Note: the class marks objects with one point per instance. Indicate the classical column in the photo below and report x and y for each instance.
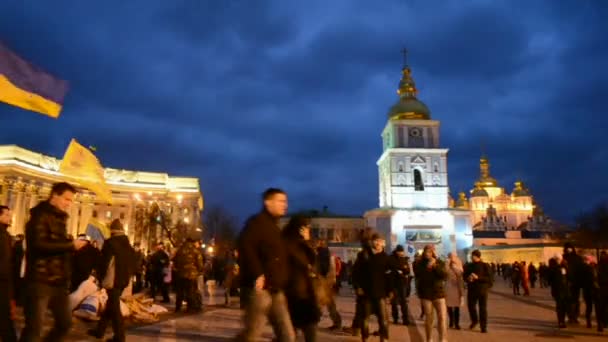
(73, 225)
(19, 208)
(4, 184)
(32, 190)
(86, 211)
(130, 223)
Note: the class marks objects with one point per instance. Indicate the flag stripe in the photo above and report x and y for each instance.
(15, 96)
(30, 78)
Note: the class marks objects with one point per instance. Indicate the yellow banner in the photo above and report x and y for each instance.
(82, 165)
(17, 97)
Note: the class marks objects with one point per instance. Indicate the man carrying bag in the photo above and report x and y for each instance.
(117, 267)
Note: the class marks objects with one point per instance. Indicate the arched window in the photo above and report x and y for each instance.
(418, 184)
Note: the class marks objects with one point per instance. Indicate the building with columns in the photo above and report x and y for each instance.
(414, 202)
(151, 206)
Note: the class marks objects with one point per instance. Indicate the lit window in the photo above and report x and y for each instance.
(108, 214)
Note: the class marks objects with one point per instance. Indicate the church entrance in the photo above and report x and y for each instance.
(416, 239)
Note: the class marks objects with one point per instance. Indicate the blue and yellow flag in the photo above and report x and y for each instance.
(97, 231)
(81, 164)
(26, 86)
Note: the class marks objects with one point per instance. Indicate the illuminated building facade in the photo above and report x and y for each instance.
(152, 206)
(414, 195)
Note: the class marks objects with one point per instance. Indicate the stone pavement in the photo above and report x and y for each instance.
(510, 318)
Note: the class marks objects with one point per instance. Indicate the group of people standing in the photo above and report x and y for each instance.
(50, 267)
(570, 274)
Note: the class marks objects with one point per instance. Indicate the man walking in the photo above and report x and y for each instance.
(263, 261)
(7, 293)
(430, 274)
(478, 276)
(115, 271)
(47, 265)
(401, 275)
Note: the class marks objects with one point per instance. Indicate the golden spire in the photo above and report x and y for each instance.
(463, 201)
(485, 178)
(407, 86)
(408, 107)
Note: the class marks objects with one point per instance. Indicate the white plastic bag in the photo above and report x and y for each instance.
(90, 308)
(85, 289)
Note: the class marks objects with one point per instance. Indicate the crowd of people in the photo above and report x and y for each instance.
(41, 269)
(280, 275)
(283, 281)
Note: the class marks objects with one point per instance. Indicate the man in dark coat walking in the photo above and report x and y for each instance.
(263, 260)
(479, 278)
(400, 270)
(7, 293)
(575, 276)
(48, 251)
(117, 254)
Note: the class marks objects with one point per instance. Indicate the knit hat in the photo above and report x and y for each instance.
(476, 253)
(116, 226)
(399, 248)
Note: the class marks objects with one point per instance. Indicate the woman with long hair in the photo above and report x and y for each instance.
(454, 289)
(301, 299)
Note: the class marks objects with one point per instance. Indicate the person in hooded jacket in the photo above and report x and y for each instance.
(118, 254)
(557, 276)
(301, 299)
(575, 267)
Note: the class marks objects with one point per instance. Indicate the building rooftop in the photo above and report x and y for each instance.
(47, 166)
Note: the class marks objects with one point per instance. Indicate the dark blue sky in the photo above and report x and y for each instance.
(251, 94)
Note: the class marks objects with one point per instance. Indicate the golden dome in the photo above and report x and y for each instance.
(408, 107)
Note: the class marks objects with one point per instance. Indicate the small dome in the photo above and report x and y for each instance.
(520, 190)
(479, 192)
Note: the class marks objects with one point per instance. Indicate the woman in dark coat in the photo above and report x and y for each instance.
(302, 303)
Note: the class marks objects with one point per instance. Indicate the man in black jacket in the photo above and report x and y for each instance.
(575, 276)
(373, 281)
(400, 270)
(263, 261)
(84, 261)
(48, 265)
(118, 249)
(7, 293)
(479, 278)
(430, 274)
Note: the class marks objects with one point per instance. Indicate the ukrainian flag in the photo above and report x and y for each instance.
(97, 231)
(26, 86)
(81, 164)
